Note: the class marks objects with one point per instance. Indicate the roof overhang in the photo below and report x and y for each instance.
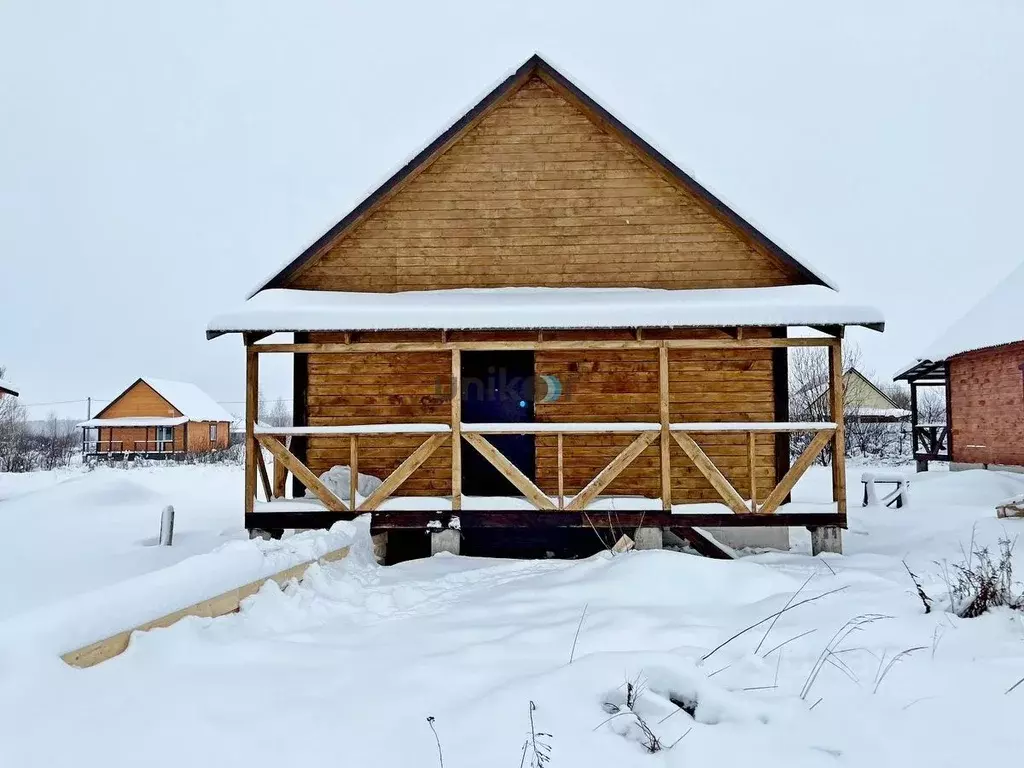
(136, 421)
(287, 310)
(922, 370)
(7, 388)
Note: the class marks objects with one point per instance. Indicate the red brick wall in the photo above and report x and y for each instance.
(987, 396)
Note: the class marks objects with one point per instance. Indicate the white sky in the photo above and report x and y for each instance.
(158, 159)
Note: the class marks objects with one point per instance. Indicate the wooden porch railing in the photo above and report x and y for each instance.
(931, 442)
(269, 438)
(687, 435)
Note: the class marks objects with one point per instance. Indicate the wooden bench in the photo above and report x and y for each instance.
(900, 495)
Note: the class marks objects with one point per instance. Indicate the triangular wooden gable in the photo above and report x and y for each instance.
(139, 399)
(540, 186)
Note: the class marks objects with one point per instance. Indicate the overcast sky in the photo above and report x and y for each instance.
(159, 159)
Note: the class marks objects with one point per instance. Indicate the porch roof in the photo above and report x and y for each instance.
(136, 421)
(543, 308)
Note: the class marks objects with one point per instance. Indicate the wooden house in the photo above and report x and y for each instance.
(537, 319)
(978, 363)
(156, 418)
(863, 401)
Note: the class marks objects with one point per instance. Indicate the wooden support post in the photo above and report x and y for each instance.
(456, 395)
(281, 473)
(261, 465)
(666, 437)
(752, 469)
(353, 471)
(300, 411)
(561, 471)
(252, 386)
(835, 369)
(780, 392)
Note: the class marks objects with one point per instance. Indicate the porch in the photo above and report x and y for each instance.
(134, 437)
(932, 440)
(550, 504)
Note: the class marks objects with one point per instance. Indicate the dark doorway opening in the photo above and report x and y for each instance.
(497, 387)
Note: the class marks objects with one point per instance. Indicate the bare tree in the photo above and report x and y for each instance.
(931, 405)
(55, 446)
(868, 435)
(23, 449)
(279, 415)
(809, 389)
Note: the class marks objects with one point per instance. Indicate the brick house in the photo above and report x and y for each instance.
(979, 362)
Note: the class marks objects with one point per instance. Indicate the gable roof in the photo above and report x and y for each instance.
(816, 392)
(819, 390)
(992, 322)
(537, 66)
(187, 399)
(8, 388)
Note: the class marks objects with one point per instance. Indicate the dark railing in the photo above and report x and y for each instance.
(931, 442)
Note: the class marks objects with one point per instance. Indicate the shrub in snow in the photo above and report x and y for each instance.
(337, 479)
(982, 582)
(537, 746)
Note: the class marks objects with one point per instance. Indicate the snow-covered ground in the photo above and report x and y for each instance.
(347, 667)
(71, 531)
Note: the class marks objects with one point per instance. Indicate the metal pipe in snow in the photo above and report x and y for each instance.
(167, 526)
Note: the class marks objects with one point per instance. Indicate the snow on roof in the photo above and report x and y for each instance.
(189, 399)
(995, 320)
(136, 421)
(890, 413)
(6, 386)
(522, 308)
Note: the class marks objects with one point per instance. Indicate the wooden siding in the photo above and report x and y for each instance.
(199, 436)
(705, 385)
(379, 389)
(537, 194)
(140, 399)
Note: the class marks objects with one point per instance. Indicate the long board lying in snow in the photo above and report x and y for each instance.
(219, 605)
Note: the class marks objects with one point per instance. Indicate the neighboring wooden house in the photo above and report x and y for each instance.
(541, 315)
(156, 418)
(979, 363)
(6, 388)
(864, 402)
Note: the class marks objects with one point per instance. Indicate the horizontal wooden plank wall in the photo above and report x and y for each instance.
(607, 385)
(138, 400)
(199, 436)
(539, 195)
(379, 389)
